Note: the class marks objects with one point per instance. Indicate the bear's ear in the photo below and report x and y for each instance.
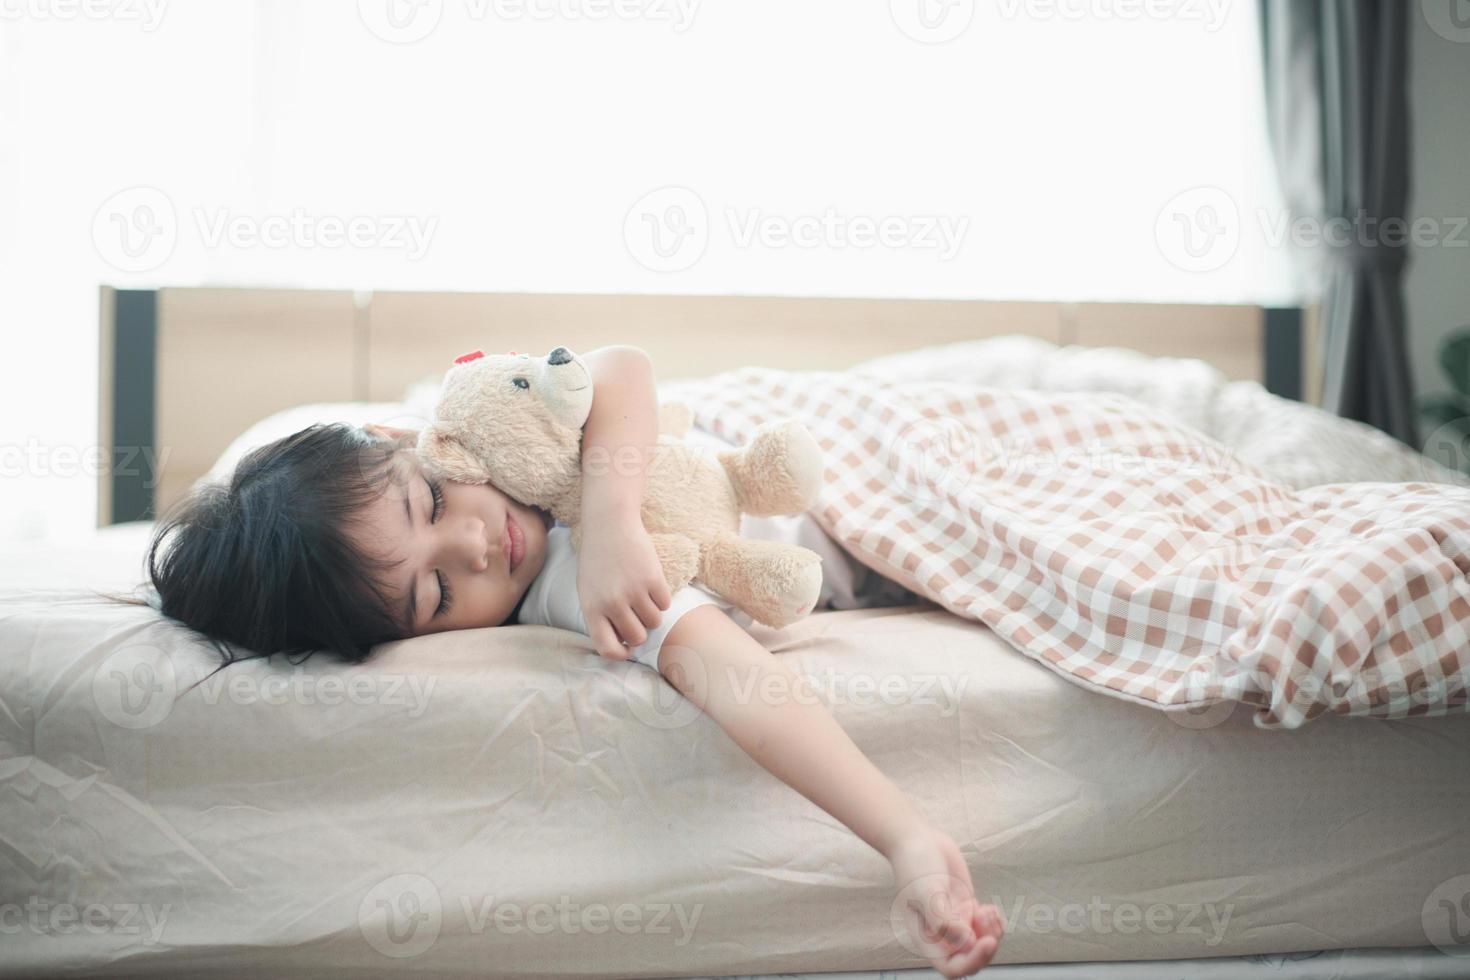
(449, 457)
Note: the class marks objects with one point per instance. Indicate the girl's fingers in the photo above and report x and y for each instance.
(605, 639)
(661, 595)
(629, 629)
(648, 612)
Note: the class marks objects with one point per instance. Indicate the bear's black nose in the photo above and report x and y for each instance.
(559, 355)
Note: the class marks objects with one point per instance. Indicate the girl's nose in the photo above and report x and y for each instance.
(477, 546)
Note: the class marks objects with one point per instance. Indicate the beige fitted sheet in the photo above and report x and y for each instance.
(502, 803)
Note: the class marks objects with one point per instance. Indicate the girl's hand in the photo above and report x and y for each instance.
(620, 584)
(945, 924)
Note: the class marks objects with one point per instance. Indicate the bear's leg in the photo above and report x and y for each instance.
(776, 583)
(679, 556)
(779, 471)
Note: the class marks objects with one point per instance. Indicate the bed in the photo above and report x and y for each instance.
(502, 803)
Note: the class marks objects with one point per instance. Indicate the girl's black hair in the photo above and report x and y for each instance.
(262, 565)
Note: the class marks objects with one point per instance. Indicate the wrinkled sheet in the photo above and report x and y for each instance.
(488, 803)
(1133, 553)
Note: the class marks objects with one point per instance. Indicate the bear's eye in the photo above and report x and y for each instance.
(522, 383)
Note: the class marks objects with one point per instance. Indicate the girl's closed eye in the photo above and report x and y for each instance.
(436, 492)
(445, 598)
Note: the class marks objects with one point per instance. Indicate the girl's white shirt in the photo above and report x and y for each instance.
(551, 599)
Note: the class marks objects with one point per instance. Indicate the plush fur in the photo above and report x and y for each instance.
(515, 421)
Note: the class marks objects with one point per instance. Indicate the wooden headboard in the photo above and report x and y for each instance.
(183, 371)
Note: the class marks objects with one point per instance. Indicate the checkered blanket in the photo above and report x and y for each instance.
(1129, 552)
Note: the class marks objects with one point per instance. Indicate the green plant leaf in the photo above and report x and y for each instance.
(1438, 410)
(1454, 360)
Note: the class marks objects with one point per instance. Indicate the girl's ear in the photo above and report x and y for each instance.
(390, 432)
(449, 457)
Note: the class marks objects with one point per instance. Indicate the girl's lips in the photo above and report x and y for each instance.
(517, 549)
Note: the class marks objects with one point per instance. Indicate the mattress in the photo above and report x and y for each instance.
(504, 803)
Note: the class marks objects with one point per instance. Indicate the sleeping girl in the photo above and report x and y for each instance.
(338, 538)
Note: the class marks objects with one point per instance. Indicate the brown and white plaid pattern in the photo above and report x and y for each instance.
(1130, 553)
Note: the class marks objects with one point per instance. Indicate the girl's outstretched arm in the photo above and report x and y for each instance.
(754, 697)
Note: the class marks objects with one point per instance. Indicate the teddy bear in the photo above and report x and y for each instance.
(515, 421)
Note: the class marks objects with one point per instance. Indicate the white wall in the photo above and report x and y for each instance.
(1437, 280)
(1073, 143)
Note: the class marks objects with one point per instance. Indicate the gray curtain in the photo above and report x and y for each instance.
(1336, 101)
